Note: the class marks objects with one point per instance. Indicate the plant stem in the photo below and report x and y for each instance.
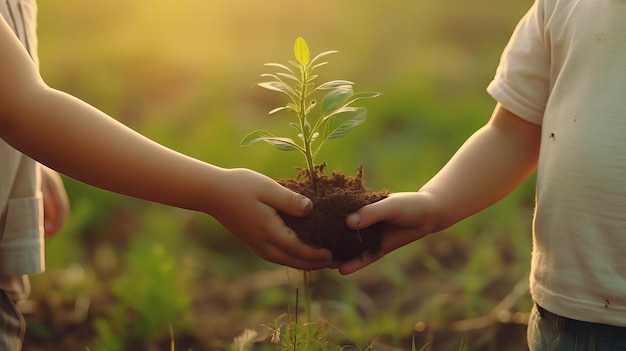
(306, 275)
(295, 329)
(305, 128)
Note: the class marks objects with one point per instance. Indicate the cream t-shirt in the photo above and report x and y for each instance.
(565, 68)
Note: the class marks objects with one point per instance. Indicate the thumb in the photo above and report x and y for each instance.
(290, 202)
(367, 215)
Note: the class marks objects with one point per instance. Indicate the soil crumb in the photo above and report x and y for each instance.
(337, 196)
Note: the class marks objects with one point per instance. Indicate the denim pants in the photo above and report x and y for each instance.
(546, 334)
(12, 325)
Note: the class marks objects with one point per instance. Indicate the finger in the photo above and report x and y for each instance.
(394, 239)
(277, 255)
(358, 263)
(56, 203)
(286, 200)
(284, 239)
(288, 241)
(51, 216)
(370, 214)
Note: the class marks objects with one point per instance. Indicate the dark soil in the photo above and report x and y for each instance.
(337, 196)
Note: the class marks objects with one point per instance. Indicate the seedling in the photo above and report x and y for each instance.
(316, 123)
(335, 117)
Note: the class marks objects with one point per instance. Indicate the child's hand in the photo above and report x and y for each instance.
(249, 210)
(407, 217)
(56, 206)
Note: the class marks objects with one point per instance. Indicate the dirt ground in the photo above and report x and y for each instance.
(227, 309)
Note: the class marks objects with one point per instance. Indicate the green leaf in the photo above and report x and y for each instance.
(318, 65)
(296, 126)
(278, 109)
(333, 84)
(322, 55)
(341, 124)
(277, 77)
(341, 99)
(279, 65)
(290, 107)
(344, 122)
(311, 78)
(284, 144)
(287, 75)
(336, 98)
(278, 86)
(301, 51)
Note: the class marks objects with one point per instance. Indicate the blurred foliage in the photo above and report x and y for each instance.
(182, 73)
(151, 292)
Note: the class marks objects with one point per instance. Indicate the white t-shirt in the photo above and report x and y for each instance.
(565, 68)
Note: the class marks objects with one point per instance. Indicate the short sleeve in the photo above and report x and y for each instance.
(522, 80)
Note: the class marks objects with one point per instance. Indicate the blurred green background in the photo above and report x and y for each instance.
(183, 74)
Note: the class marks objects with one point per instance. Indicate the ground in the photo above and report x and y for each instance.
(228, 307)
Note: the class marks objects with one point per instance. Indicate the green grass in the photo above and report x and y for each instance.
(182, 73)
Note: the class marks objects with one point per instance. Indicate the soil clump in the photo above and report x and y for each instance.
(337, 196)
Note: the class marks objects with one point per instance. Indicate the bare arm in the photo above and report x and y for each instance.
(78, 140)
(492, 163)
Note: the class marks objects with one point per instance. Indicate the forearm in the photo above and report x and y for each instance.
(81, 142)
(490, 165)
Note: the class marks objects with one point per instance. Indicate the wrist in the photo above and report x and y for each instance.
(435, 214)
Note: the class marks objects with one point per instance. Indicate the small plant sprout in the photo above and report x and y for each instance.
(335, 114)
(321, 112)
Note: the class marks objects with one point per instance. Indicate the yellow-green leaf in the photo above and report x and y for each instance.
(301, 50)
